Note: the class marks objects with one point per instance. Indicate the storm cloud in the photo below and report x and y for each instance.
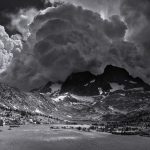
(137, 17)
(107, 8)
(8, 8)
(70, 39)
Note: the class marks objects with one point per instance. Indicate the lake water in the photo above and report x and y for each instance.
(42, 138)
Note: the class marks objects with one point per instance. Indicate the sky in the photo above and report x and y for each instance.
(41, 42)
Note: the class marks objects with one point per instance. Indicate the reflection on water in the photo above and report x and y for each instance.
(60, 138)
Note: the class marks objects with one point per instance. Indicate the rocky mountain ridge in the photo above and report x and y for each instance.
(113, 78)
(114, 95)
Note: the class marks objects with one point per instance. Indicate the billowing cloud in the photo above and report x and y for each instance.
(13, 7)
(22, 20)
(115, 28)
(136, 14)
(137, 17)
(70, 39)
(106, 7)
(9, 48)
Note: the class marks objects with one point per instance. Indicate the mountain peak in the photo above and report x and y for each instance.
(77, 83)
(86, 84)
(82, 76)
(110, 69)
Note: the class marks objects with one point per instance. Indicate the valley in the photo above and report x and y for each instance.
(113, 99)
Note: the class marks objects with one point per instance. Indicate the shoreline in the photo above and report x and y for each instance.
(64, 127)
(41, 137)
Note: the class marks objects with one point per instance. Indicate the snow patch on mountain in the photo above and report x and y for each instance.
(116, 86)
(38, 111)
(82, 98)
(115, 110)
(3, 105)
(122, 94)
(69, 116)
(92, 81)
(55, 87)
(15, 107)
(132, 82)
(100, 91)
(86, 84)
(59, 98)
(137, 89)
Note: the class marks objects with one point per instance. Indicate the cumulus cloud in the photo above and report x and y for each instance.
(115, 28)
(9, 47)
(16, 18)
(106, 7)
(70, 39)
(21, 21)
(13, 7)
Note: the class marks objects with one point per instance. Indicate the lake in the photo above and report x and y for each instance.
(43, 138)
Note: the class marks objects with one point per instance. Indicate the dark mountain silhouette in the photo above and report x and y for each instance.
(87, 84)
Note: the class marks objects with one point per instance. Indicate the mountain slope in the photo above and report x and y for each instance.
(115, 93)
(14, 99)
(112, 96)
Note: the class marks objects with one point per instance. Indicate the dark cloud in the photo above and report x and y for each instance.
(136, 14)
(71, 39)
(115, 28)
(137, 17)
(13, 6)
(107, 7)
